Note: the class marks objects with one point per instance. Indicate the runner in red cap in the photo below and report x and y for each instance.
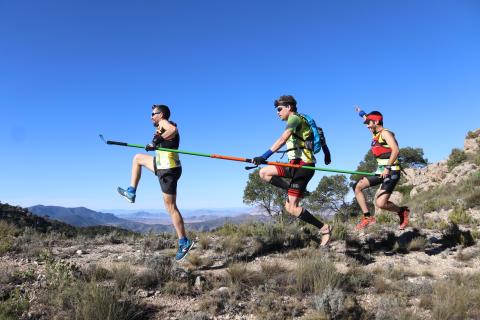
(385, 149)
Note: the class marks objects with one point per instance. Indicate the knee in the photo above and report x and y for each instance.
(381, 203)
(263, 175)
(170, 206)
(137, 158)
(290, 208)
(358, 186)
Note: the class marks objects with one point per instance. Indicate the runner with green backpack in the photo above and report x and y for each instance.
(303, 140)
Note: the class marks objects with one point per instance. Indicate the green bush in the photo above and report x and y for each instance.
(473, 134)
(456, 157)
(7, 233)
(13, 307)
(340, 231)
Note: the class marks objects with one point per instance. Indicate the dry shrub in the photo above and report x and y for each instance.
(397, 273)
(426, 301)
(457, 297)
(155, 242)
(427, 274)
(176, 288)
(162, 267)
(270, 269)
(146, 279)
(449, 301)
(464, 256)
(204, 241)
(240, 276)
(460, 216)
(417, 244)
(93, 301)
(97, 273)
(392, 307)
(269, 306)
(380, 285)
(214, 303)
(195, 260)
(123, 276)
(232, 245)
(314, 274)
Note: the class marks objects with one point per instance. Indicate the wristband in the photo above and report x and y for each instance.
(267, 154)
(362, 113)
(389, 167)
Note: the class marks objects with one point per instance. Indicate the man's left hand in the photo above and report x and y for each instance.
(259, 160)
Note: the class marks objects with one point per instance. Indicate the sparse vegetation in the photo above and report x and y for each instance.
(417, 244)
(457, 297)
(7, 233)
(456, 157)
(315, 273)
(460, 216)
(448, 196)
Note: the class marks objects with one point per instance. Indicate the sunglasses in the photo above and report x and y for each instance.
(154, 113)
(279, 108)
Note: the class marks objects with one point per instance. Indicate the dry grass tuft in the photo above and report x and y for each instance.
(314, 274)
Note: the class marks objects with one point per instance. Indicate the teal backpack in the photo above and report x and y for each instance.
(317, 139)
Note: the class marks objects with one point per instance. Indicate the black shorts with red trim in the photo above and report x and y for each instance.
(299, 177)
(388, 184)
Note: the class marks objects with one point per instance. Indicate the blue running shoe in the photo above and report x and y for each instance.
(130, 196)
(183, 250)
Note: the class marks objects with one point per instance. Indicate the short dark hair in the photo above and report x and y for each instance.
(286, 100)
(163, 109)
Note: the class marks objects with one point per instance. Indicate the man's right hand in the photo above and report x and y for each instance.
(150, 147)
(259, 160)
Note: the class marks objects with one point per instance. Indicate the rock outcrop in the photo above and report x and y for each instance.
(438, 174)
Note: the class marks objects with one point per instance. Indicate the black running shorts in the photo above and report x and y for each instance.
(299, 177)
(168, 179)
(388, 183)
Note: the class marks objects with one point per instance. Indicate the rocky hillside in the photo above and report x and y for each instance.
(459, 167)
(265, 270)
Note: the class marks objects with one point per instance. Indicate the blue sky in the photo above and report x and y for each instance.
(70, 70)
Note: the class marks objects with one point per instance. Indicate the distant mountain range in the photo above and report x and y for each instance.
(190, 216)
(142, 221)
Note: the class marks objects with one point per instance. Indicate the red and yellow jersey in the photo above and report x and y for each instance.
(382, 151)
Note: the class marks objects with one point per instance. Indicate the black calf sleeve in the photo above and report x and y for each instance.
(309, 218)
